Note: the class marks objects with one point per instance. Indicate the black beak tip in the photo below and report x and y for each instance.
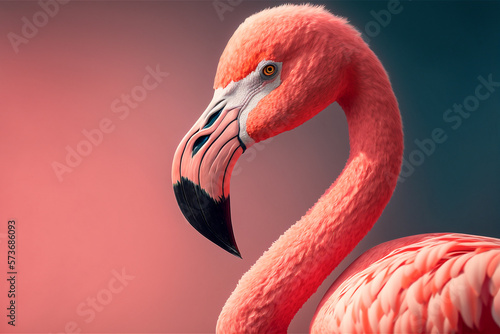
(212, 218)
(234, 251)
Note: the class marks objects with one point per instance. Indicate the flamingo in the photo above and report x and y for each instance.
(280, 68)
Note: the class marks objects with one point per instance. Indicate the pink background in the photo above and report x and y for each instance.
(116, 210)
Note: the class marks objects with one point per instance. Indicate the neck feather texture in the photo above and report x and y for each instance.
(279, 283)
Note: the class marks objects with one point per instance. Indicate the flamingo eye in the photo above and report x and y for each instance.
(268, 71)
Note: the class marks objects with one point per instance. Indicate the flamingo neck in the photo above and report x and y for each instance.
(279, 283)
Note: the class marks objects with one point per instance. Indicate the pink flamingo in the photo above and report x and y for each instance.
(280, 68)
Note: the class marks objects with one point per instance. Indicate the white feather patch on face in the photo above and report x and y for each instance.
(245, 95)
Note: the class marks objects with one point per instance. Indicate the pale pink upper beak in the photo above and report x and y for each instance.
(201, 172)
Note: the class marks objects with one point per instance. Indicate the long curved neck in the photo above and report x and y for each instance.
(279, 283)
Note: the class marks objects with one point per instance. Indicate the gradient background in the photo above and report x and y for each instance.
(117, 209)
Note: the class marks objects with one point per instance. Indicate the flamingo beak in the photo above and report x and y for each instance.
(201, 172)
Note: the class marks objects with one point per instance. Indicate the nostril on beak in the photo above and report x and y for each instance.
(203, 139)
(199, 143)
(213, 118)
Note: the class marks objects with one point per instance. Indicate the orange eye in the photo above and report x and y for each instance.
(269, 70)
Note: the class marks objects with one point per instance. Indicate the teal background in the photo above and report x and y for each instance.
(434, 51)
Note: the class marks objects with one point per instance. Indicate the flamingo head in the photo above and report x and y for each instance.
(280, 68)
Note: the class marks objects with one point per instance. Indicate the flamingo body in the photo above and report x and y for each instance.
(279, 69)
(430, 283)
